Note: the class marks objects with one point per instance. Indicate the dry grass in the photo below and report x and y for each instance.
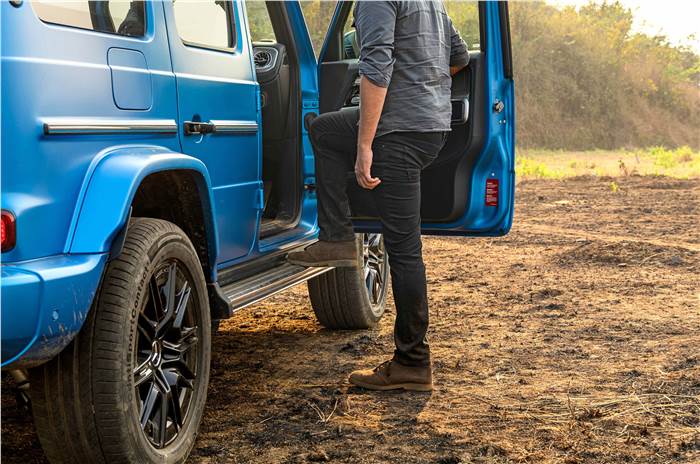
(680, 163)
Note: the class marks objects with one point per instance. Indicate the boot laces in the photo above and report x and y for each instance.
(383, 367)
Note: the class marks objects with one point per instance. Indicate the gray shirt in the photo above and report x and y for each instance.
(409, 46)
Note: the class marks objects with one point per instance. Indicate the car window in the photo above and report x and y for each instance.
(318, 15)
(206, 24)
(465, 17)
(259, 22)
(113, 17)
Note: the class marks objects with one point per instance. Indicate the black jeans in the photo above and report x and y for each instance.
(399, 158)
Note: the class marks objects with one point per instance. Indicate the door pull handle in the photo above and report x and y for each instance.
(198, 128)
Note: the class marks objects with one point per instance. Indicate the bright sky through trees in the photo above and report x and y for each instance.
(676, 19)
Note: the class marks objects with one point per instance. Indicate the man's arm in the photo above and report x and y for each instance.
(459, 54)
(371, 103)
(374, 22)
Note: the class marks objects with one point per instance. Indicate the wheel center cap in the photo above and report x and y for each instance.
(156, 353)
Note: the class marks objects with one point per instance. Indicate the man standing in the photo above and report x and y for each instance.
(408, 52)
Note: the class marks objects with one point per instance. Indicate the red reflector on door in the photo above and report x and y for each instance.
(491, 192)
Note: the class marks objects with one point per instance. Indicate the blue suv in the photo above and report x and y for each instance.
(156, 172)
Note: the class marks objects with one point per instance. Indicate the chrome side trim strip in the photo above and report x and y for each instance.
(234, 127)
(85, 126)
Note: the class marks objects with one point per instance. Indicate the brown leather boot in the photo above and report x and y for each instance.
(321, 254)
(391, 375)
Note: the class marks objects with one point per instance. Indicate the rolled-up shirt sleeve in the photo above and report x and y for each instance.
(459, 55)
(375, 22)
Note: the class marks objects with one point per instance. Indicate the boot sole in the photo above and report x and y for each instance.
(421, 387)
(328, 263)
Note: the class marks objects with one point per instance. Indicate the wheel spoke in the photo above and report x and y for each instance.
(173, 378)
(142, 373)
(148, 405)
(377, 289)
(178, 363)
(184, 297)
(181, 347)
(146, 327)
(380, 253)
(380, 276)
(182, 382)
(371, 279)
(163, 422)
(375, 256)
(154, 292)
(169, 292)
(187, 374)
(177, 413)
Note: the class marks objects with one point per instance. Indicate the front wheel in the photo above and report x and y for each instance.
(353, 297)
(132, 385)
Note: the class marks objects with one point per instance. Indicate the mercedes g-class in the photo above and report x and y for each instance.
(156, 171)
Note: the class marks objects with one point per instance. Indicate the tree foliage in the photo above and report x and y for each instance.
(584, 78)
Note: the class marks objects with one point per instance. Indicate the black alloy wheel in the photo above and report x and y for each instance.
(166, 354)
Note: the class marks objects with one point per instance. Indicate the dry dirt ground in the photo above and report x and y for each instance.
(575, 339)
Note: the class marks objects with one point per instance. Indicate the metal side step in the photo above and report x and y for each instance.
(258, 287)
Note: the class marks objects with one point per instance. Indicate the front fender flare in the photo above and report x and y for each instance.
(109, 188)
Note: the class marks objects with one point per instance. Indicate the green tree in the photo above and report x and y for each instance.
(584, 79)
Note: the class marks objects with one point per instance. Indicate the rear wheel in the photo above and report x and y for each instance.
(353, 297)
(132, 385)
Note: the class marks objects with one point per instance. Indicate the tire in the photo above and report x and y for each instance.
(86, 402)
(342, 299)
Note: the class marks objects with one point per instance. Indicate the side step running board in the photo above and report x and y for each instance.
(258, 287)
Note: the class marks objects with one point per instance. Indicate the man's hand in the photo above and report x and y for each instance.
(363, 167)
(455, 69)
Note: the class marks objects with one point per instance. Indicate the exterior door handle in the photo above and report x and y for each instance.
(198, 127)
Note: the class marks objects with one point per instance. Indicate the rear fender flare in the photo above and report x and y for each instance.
(108, 190)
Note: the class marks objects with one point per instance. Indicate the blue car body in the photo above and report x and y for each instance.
(88, 117)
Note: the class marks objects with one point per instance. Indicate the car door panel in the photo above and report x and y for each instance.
(338, 85)
(218, 88)
(468, 189)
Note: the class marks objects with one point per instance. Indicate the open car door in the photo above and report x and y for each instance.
(469, 188)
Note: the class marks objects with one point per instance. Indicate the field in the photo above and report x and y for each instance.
(681, 163)
(574, 339)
